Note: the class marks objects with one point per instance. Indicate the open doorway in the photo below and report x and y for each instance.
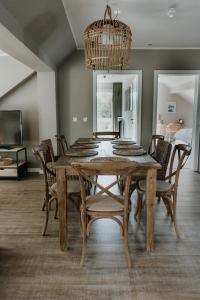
(117, 103)
(176, 109)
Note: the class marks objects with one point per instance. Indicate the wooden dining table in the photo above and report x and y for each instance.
(63, 167)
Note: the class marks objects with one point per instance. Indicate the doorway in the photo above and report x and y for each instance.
(117, 103)
(176, 95)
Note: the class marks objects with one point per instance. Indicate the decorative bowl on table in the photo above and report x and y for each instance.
(130, 152)
(123, 142)
(88, 142)
(133, 147)
(80, 153)
(84, 146)
(110, 159)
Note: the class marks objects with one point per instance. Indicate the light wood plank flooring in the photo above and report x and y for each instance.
(33, 267)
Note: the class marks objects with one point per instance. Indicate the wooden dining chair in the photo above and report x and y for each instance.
(106, 134)
(161, 155)
(105, 204)
(41, 152)
(154, 141)
(167, 189)
(50, 155)
(62, 144)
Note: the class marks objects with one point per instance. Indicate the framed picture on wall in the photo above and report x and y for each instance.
(171, 107)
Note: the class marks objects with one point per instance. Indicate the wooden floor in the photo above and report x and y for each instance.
(33, 267)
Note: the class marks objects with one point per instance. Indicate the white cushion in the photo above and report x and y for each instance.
(72, 187)
(105, 204)
(161, 185)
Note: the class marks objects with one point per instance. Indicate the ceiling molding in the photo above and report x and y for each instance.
(70, 24)
(158, 48)
(165, 48)
(2, 53)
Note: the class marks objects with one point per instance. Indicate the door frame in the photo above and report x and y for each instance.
(196, 109)
(139, 104)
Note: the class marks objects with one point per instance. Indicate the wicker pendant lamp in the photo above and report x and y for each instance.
(107, 43)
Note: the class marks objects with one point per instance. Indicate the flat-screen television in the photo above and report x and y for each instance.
(10, 128)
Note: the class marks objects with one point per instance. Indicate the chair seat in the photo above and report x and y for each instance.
(161, 186)
(105, 204)
(72, 187)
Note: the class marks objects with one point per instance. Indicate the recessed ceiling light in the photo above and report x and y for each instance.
(171, 12)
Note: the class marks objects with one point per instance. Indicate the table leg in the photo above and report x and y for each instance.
(62, 206)
(150, 201)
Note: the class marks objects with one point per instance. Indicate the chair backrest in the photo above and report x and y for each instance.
(178, 160)
(88, 171)
(41, 153)
(154, 141)
(162, 155)
(106, 134)
(50, 157)
(61, 143)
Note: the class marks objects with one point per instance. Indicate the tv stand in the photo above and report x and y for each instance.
(18, 168)
(7, 147)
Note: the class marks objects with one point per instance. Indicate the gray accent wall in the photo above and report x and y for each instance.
(24, 98)
(75, 97)
(75, 87)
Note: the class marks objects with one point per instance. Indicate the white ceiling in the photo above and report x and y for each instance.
(177, 82)
(183, 85)
(147, 18)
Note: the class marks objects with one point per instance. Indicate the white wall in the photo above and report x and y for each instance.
(12, 72)
(184, 106)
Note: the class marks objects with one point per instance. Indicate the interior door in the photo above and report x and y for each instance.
(130, 111)
(129, 121)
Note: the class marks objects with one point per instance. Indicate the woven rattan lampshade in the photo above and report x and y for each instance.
(107, 43)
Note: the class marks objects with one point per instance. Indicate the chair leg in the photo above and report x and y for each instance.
(126, 249)
(95, 187)
(167, 202)
(138, 212)
(56, 211)
(44, 204)
(47, 219)
(132, 188)
(120, 185)
(174, 216)
(84, 238)
(75, 199)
